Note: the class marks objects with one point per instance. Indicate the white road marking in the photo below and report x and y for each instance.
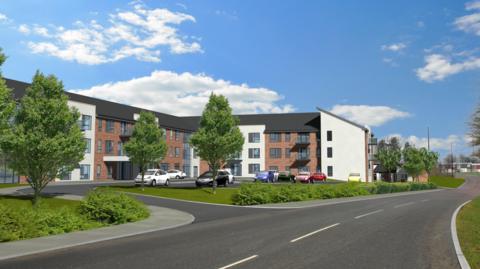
(370, 213)
(424, 200)
(314, 232)
(239, 262)
(405, 204)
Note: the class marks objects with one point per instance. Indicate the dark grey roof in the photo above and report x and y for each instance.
(343, 119)
(281, 122)
(109, 109)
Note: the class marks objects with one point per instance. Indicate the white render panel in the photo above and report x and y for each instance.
(246, 129)
(348, 147)
(90, 110)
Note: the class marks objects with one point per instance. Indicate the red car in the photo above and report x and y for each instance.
(317, 177)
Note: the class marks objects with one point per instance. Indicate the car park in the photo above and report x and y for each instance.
(231, 178)
(153, 177)
(206, 179)
(177, 174)
(354, 177)
(303, 177)
(318, 177)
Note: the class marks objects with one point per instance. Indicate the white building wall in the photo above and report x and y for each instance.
(86, 109)
(194, 162)
(348, 146)
(246, 129)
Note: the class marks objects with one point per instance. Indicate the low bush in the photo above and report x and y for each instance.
(260, 193)
(110, 207)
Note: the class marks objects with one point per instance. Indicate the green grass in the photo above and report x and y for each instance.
(447, 181)
(468, 230)
(9, 185)
(223, 195)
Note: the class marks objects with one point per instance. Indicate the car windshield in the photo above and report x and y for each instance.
(172, 171)
(304, 173)
(149, 172)
(206, 174)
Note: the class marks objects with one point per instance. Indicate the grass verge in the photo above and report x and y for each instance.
(468, 230)
(9, 185)
(223, 195)
(446, 181)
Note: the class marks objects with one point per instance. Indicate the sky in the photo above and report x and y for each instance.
(398, 67)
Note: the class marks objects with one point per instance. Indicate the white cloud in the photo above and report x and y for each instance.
(438, 66)
(139, 32)
(435, 142)
(187, 93)
(470, 23)
(369, 115)
(3, 18)
(396, 47)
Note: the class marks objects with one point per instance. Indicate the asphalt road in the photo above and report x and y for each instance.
(411, 231)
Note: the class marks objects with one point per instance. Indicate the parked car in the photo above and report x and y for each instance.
(303, 177)
(206, 179)
(174, 173)
(285, 176)
(231, 178)
(264, 176)
(354, 177)
(318, 177)
(153, 177)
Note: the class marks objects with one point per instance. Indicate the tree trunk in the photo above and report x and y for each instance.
(214, 182)
(36, 195)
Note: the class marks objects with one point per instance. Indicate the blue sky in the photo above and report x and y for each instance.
(397, 67)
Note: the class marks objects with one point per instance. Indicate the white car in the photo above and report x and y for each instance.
(174, 173)
(153, 177)
(231, 178)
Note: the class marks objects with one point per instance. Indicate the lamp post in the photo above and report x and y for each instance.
(451, 155)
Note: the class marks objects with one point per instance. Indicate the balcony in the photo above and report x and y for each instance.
(372, 141)
(302, 140)
(371, 157)
(126, 132)
(302, 157)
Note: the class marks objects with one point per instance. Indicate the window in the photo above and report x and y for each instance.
(109, 126)
(109, 171)
(99, 146)
(99, 170)
(287, 137)
(88, 146)
(303, 169)
(329, 152)
(177, 135)
(177, 153)
(100, 124)
(303, 154)
(287, 152)
(253, 168)
(275, 153)
(120, 148)
(194, 154)
(329, 135)
(253, 137)
(274, 168)
(84, 171)
(303, 138)
(108, 146)
(86, 123)
(164, 166)
(330, 171)
(275, 137)
(254, 153)
(123, 128)
(171, 134)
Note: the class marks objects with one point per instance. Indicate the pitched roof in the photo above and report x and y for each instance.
(343, 119)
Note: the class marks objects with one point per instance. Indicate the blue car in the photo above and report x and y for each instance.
(264, 176)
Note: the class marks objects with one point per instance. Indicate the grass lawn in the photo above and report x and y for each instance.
(9, 185)
(223, 195)
(468, 230)
(447, 181)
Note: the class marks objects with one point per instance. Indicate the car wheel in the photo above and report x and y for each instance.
(167, 182)
(198, 185)
(177, 177)
(154, 183)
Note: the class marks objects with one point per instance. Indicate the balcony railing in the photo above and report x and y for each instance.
(302, 140)
(372, 141)
(127, 132)
(303, 157)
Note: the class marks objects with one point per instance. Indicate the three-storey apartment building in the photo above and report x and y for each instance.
(294, 142)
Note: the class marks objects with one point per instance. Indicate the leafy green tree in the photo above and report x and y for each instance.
(389, 158)
(430, 159)
(218, 136)
(147, 144)
(7, 104)
(45, 141)
(475, 127)
(413, 161)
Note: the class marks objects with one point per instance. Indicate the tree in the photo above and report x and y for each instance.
(389, 158)
(147, 144)
(7, 105)
(430, 159)
(475, 127)
(45, 141)
(449, 159)
(413, 161)
(218, 136)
